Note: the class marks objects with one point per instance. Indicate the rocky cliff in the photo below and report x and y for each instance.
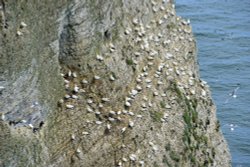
(103, 83)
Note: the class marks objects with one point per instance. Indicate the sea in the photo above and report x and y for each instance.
(222, 32)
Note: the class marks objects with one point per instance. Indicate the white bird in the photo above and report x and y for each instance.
(123, 129)
(232, 94)
(69, 106)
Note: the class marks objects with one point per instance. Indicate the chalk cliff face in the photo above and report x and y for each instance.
(103, 83)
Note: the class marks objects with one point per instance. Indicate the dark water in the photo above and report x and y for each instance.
(222, 30)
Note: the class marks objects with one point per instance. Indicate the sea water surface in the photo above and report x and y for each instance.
(222, 31)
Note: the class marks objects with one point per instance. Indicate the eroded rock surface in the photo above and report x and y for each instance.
(103, 83)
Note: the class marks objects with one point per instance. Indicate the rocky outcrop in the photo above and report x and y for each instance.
(103, 83)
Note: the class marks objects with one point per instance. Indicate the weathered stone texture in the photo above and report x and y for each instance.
(103, 83)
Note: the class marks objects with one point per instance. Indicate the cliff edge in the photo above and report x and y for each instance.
(103, 83)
